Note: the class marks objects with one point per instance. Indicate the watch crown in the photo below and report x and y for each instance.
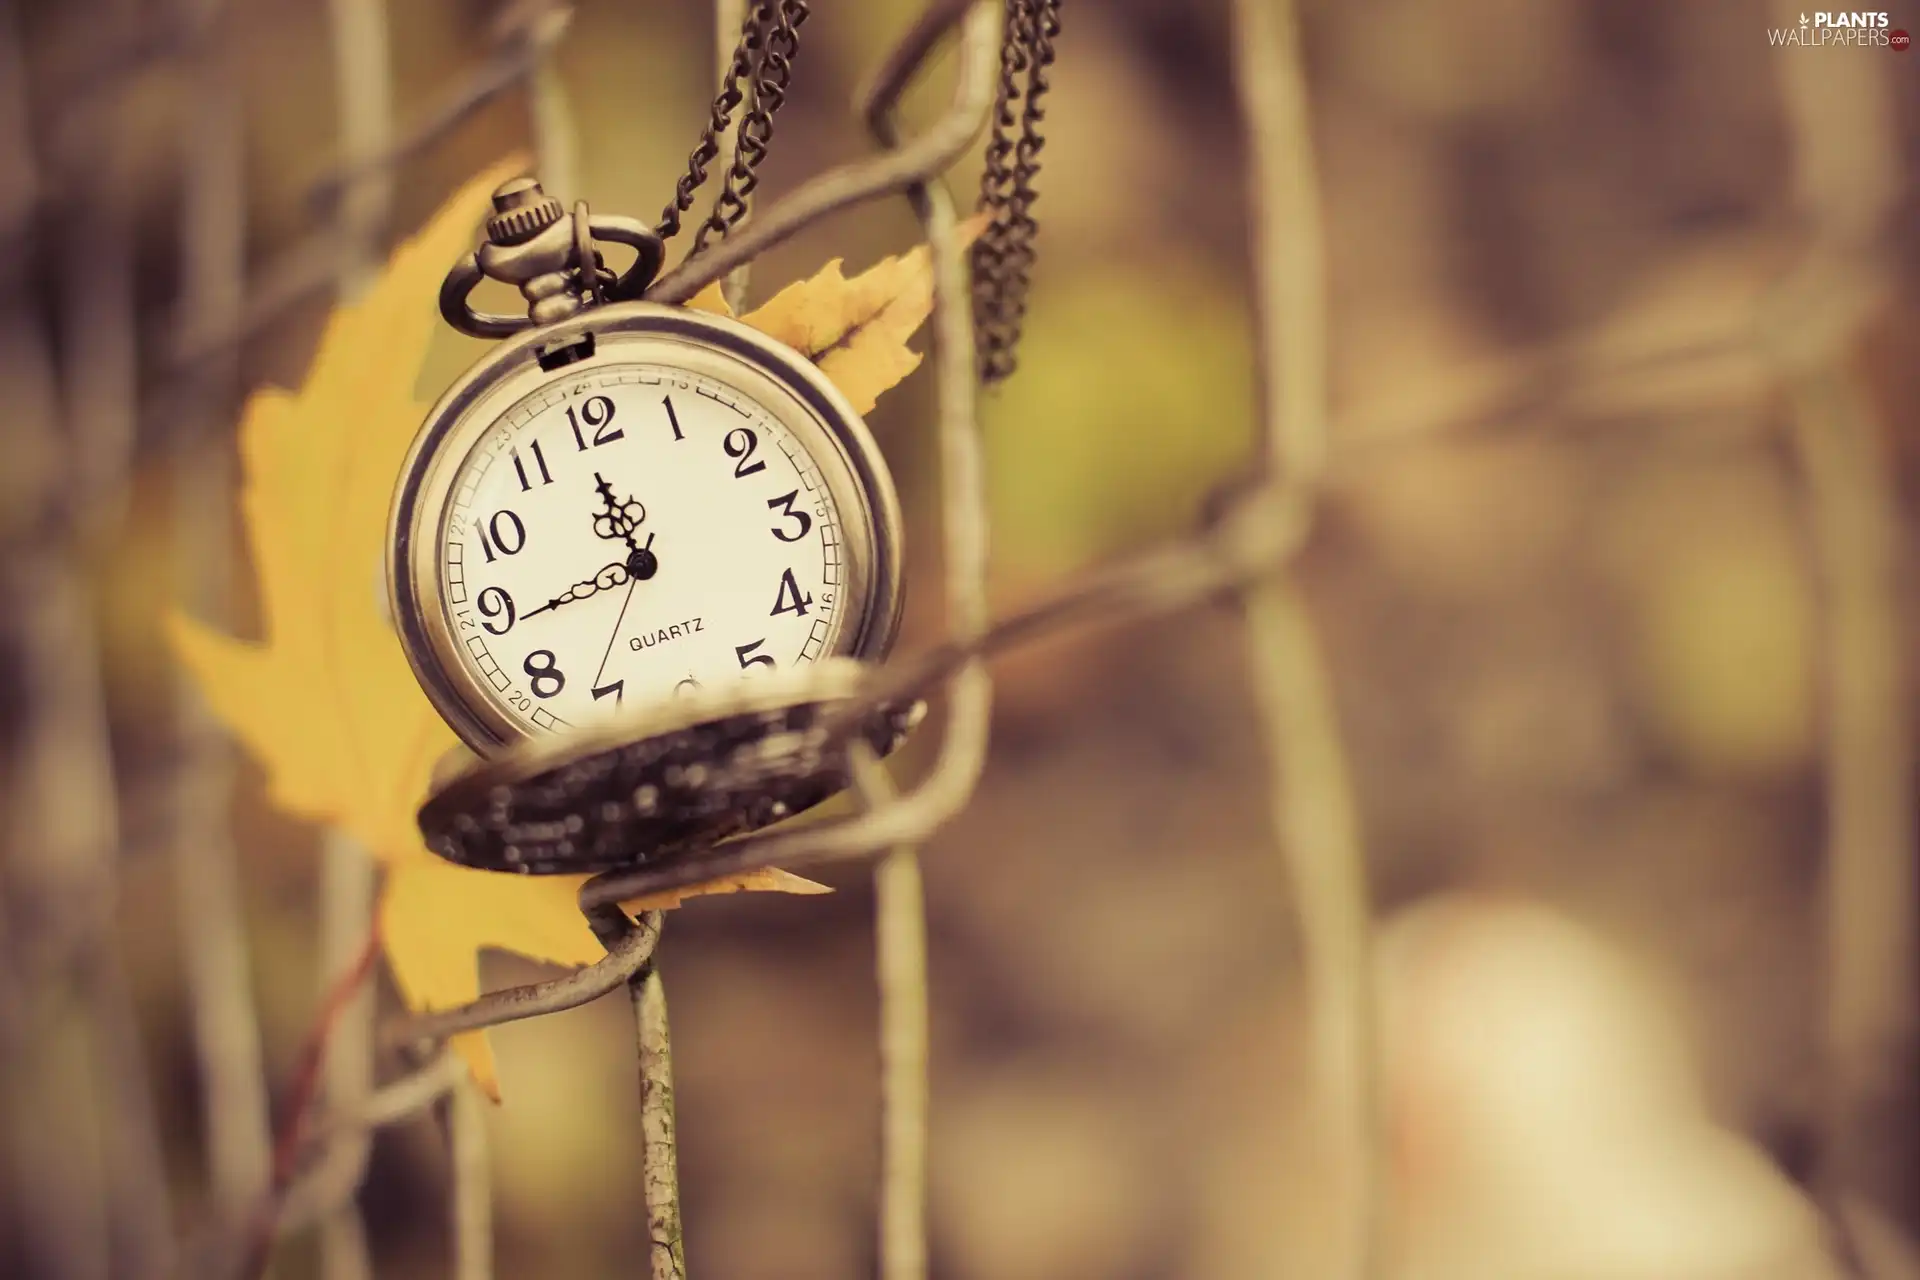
(521, 211)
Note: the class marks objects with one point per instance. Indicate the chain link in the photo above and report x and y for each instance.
(757, 77)
(1003, 256)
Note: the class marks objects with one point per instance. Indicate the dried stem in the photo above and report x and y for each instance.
(1251, 540)
(471, 1216)
(83, 1170)
(363, 79)
(660, 1173)
(625, 956)
(98, 370)
(289, 1140)
(206, 865)
(555, 141)
(316, 263)
(1849, 180)
(660, 1178)
(900, 965)
(314, 1196)
(1314, 811)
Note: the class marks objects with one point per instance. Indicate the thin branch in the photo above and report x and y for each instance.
(1250, 540)
(556, 143)
(1313, 808)
(624, 958)
(900, 966)
(506, 67)
(316, 1194)
(292, 1136)
(398, 1100)
(213, 939)
(659, 1173)
(349, 946)
(1850, 182)
(303, 271)
(70, 1112)
(471, 1215)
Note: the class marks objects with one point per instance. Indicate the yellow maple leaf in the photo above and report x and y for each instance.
(855, 330)
(327, 702)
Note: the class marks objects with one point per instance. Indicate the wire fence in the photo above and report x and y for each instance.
(100, 1204)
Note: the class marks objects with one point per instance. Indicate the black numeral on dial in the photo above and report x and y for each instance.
(520, 469)
(741, 651)
(597, 412)
(618, 689)
(493, 602)
(499, 532)
(673, 419)
(740, 443)
(788, 599)
(785, 505)
(545, 677)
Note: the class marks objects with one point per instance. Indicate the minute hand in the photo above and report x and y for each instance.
(611, 576)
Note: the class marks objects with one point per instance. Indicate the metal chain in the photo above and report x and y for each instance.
(758, 76)
(1003, 256)
(767, 94)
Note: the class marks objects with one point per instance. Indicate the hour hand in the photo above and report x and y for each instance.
(620, 518)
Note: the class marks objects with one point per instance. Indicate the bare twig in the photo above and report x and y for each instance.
(660, 1172)
(555, 141)
(1850, 183)
(471, 1215)
(363, 79)
(291, 1137)
(507, 66)
(315, 1195)
(98, 375)
(659, 1146)
(310, 266)
(82, 1155)
(624, 958)
(900, 965)
(1313, 808)
(206, 864)
(398, 1100)
(1250, 541)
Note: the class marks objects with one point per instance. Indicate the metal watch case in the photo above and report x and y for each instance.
(791, 388)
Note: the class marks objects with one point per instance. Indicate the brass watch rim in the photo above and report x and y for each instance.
(790, 387)
(829, 680)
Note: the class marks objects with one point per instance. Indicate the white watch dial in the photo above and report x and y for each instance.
(633, 531)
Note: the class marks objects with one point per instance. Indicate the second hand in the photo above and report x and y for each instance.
(631, 584)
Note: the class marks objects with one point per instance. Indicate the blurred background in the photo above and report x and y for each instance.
(1612, 584)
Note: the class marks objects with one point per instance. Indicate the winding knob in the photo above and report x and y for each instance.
(521, 211)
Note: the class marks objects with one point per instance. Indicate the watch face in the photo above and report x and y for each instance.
(632, 530)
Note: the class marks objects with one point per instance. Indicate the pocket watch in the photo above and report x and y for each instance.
(626, 501)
